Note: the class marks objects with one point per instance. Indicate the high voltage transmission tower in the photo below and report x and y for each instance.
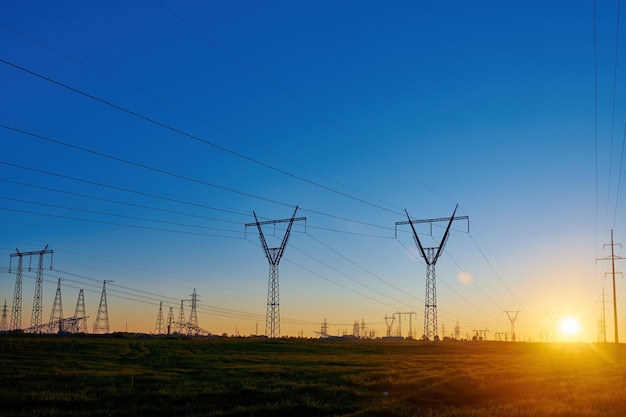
(613, 258)
(181, 317)
(389, 322)
(3, 322)
(56, 315)
(193, 316)
(16, 310)
(170, 320)
(158, 327)
(80, 313)
(102, 318)
(512, 320)
(274, 255)
(431, 255)
(410, 314)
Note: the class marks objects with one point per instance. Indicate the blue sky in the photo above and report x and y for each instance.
(138, 138)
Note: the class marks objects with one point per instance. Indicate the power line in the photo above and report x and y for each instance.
(161, 101)
(191, 136)
(613, 105)
(297, 99)
(115, 224)
(161, 171)
(139, 165)
(116, 215)
(108, 200)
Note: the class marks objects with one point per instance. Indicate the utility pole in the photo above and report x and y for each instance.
(102, 318)
(612, 258)
(274, 255)
(512, 320)
(430, 256)
(603, 318)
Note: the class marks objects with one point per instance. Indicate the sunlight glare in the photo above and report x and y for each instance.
(570, 327)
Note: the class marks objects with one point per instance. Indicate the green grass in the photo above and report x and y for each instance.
(142, 376)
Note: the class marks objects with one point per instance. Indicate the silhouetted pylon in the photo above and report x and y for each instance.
(80, 313)
(3, 322)
(170, 320)
(36, 316)
(102, 318)
(16, 309)
(181, 317)
(274, 255)
(57, 308)
(158, 327)
(193, 316)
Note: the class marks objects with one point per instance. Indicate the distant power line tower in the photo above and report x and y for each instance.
(193, 316)
(389, 322)
(274, 255)
(431, 255)
(158, 327)
(181, 317)
(410, 314)
(324, 329)
(16, 310)
(56, 315)
(3, 322)
(512, 320)
(102, 318)
(457, 331)
(170, 320)
(613, 258)
(36, 317)
(80, 313)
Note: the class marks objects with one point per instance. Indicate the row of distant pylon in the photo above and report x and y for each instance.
(57, 323)
(181, 326)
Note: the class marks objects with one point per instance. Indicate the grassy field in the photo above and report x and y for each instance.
(142, 376)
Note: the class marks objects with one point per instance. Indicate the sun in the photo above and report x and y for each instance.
(570, 327)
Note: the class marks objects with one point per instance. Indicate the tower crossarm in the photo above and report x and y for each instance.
(274, 255)
(416, 237)
(266, 249)
(280, 252)
(410, 222)
(445, 235)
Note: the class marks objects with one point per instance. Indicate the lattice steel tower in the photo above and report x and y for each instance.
(170, 320)
(56, 315)
(181, 317)
(36, 317)
(80, 313)
(193, 316)
(16, 310)
(431, 255)
(3, 322)
(102, 318)
(158, 327)
(274, 255)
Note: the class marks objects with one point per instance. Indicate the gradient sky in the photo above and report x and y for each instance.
(138, 138)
